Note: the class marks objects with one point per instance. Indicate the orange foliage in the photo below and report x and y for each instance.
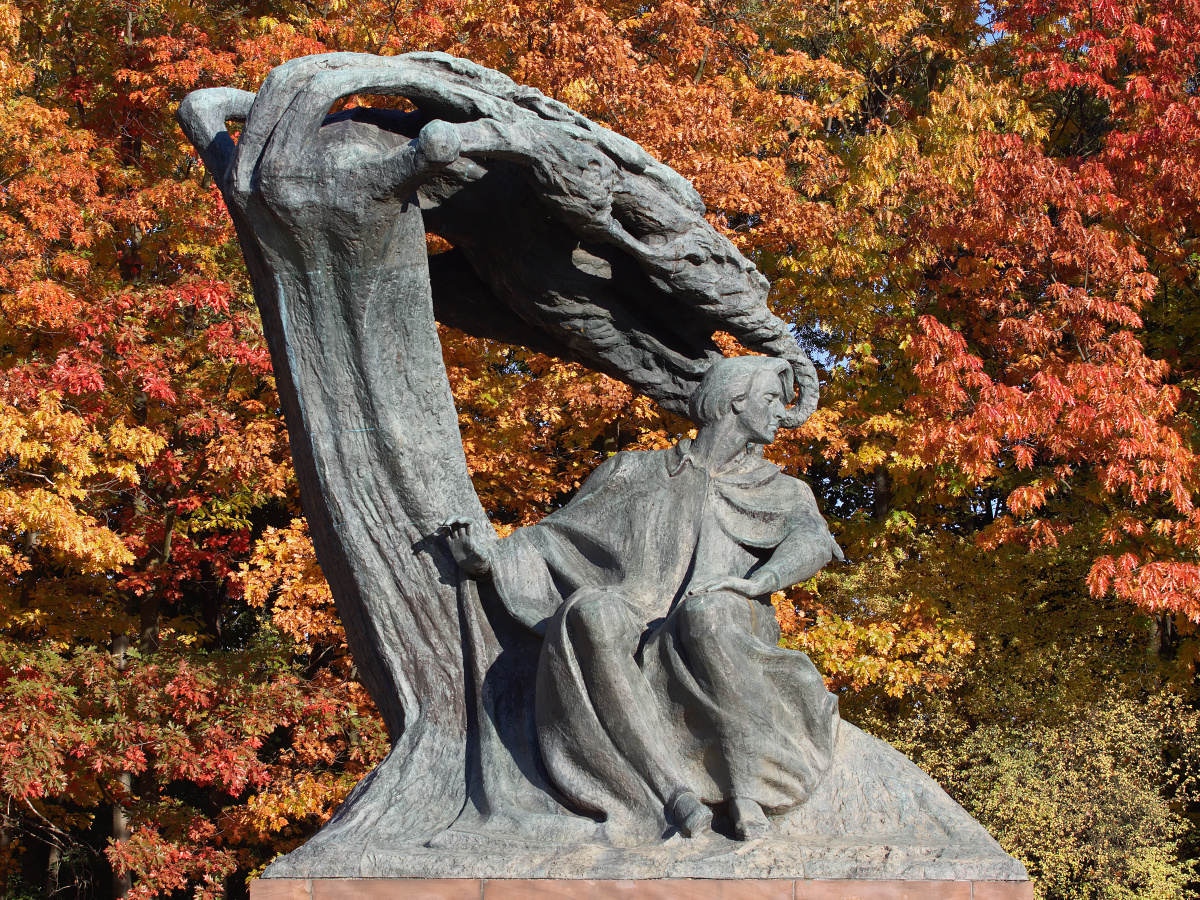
(986, 238)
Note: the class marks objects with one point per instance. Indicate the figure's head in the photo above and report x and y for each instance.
(755, 388)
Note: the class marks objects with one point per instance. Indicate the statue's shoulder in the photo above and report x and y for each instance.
(622, 467)
(798, 486)
(789, 491)
(633, 467)
(630, 461)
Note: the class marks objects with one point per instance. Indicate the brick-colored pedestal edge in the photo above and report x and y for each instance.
(664, 889)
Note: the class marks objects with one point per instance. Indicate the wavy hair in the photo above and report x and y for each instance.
(730, 379)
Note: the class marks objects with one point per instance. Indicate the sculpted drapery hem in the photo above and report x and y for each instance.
(743, 717)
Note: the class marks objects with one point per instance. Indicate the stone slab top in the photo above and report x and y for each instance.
(648, 889)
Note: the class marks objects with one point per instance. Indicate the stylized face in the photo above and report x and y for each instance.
(762, 410)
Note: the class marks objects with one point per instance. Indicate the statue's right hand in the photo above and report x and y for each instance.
(470, 554)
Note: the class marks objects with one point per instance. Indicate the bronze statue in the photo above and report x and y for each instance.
(567, 700)
(661, 686)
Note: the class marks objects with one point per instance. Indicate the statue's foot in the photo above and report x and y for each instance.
(690, 814)
(749, 821)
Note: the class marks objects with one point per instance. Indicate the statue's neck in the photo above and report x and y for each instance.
(720, 446)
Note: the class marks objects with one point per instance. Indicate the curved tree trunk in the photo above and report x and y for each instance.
(380, 463)
(341, 279)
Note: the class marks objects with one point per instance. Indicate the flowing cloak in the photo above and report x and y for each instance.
(740, 715)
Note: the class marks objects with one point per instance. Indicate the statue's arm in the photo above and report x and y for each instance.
(475, 547)
(806, 549)
(522, 573)
(517, 571)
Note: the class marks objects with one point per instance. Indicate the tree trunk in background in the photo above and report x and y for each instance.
(882, 484)
(1162, 635)
(5, 849)
(53, 860)
(121, 881)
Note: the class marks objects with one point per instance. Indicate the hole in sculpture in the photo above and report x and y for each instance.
(435, 244)
(372, 101)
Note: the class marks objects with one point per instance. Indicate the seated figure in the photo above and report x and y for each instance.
(662, 692)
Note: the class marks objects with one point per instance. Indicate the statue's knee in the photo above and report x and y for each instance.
(599, 619)
(705, 616)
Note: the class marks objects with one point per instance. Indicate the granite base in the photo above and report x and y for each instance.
(649, 889)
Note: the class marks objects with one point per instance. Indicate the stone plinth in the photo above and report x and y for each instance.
(649, 889)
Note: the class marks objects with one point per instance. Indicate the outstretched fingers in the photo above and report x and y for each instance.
(715, 584)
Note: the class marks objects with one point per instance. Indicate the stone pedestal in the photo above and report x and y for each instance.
(649, 889)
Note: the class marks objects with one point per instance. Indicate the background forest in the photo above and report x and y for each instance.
(982, 219)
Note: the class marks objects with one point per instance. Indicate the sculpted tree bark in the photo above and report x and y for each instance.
(567, 239)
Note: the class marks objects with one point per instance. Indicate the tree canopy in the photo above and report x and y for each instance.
(981, 220)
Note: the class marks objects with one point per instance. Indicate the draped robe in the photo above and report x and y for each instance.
(739, 715)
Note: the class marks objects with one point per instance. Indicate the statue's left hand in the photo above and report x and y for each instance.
(760, 584)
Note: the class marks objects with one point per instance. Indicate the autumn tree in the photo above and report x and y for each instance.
(980, 219)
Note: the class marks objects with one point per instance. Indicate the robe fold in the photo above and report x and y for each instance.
(738, 715)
